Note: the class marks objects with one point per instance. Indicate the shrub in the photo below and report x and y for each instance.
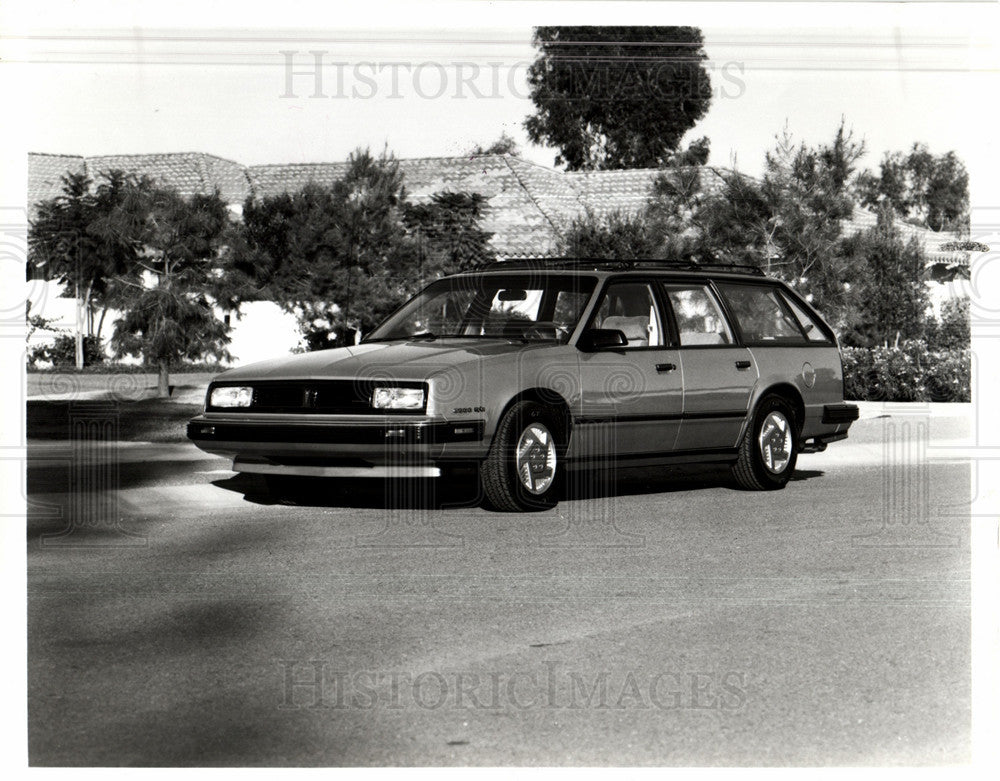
(949, 377)
(909, 372)
(62, 352)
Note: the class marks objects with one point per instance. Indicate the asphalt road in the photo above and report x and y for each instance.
(180, 617)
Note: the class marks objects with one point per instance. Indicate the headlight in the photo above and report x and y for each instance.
(398, 398)
(231, 396)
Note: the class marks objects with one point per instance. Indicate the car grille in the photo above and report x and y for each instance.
(321, 397)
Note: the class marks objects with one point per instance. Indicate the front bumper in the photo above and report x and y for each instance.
(390, 471)
(370, 442)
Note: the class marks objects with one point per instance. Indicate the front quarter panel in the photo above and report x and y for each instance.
(483, 389)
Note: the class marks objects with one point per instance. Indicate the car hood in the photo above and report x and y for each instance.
(402, 360)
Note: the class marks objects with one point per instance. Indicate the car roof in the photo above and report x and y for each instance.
(602, 267)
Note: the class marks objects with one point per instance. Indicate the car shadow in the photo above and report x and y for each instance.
(464, 491)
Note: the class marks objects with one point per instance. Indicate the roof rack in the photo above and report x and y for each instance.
(624, 264)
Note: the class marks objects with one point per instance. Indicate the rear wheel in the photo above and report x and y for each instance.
(768, 452)
(521, 471)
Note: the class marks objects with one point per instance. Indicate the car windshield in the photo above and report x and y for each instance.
(501, 306)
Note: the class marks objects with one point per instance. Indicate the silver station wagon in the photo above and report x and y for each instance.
(529, 369)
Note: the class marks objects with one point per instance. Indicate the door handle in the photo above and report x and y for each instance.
(741, 365)
(665, 367)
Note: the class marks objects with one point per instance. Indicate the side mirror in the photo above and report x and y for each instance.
(596, 339)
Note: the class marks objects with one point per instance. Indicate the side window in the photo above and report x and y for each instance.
(760, 313)
(699, 320)
(631, 308)
(814, 332)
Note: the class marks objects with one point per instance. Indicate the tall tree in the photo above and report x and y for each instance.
(923, 188)
(809, 192)
(789, 223)
(85, 238)
(180, 276)
(727, 222)
(891, 296)
(616, 97)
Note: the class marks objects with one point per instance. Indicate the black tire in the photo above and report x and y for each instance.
(503, 487)
(752, 471)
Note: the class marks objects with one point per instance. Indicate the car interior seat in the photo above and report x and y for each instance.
(636, 328)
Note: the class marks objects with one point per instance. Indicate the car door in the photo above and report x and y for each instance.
(631, 396)
(719, 374)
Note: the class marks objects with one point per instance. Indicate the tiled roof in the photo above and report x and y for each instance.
(604, 192)
(45, 174)
(189, 173)
(274, 179)
(528, 205)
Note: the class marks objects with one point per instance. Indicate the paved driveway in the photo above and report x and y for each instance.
(662, 619)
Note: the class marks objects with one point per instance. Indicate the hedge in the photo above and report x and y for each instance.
(909, 372)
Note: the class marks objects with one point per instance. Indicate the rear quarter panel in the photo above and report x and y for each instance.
(814, 371)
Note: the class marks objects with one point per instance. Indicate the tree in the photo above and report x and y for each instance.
(85, 238)
(505, 145)
(616, 97)
(448, 233)
(180, 274)
(891, 295)
(788, 224)
(691, 221)
(337, 257)
(342, 257)
(929, 190)
(616, 236)
(809, 192)
(953, 332)
(791, 222)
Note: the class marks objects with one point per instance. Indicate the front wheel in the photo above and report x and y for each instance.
(521, 471)
(767, 453)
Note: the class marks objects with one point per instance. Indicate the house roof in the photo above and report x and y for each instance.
(190, 173)
(528, 205)
(46, 172)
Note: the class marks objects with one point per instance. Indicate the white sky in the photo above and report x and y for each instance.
(113, 83)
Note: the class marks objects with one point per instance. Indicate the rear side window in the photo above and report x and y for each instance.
(813, 330)
(761, 315)
(699, 321)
